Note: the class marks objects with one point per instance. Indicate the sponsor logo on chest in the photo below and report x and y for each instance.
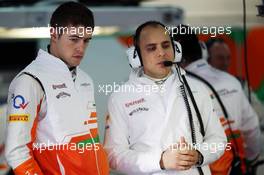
(138, 110)
(223, 92)
(59, 86)
(135, 102)
(63, 95)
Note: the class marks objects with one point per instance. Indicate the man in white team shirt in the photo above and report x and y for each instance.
(243, 132)
(219, 56)
(52, 123)
(146, 131)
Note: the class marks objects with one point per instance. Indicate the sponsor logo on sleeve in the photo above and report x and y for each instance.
(19, 102)
(18, 118)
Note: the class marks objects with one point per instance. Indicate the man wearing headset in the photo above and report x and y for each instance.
(150, 132)
(52, 124)
(240, 120)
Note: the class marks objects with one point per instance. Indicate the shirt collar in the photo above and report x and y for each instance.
(198, 64)
(136, 76)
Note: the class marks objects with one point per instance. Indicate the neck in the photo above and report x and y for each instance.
(155, 78)
(53, 52)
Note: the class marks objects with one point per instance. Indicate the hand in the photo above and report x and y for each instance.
(181, 157)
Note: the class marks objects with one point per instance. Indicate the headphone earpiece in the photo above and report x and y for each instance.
(177, 51)
(204, 50)
(134, 60)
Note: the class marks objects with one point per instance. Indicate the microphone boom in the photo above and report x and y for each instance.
(168, 63)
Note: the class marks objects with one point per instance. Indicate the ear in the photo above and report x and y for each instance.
(53, 34)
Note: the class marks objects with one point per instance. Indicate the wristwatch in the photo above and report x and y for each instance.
(200, 159)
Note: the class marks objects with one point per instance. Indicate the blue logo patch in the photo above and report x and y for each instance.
(19, 102)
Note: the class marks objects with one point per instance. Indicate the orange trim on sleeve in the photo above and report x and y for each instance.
(92, 121)
(34, 127)
(93, 114)
(28, 167)
(3, 167)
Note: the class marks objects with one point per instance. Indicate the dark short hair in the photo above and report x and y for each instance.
(191, 49)
(72, 13)
(212, 41)
(136, 37)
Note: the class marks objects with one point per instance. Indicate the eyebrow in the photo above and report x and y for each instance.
(154, 44)
(165, 42)
(151, 44)
(76, 36)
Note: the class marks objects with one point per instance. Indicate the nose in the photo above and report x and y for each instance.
(161, 52)
(81, 45)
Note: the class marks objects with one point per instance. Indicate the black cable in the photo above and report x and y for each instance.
(198, 116)
(260, 162)
(184, 95)
(245, 49)
(188, 108)
(236, 155)
(194, 105)
(182, 89)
